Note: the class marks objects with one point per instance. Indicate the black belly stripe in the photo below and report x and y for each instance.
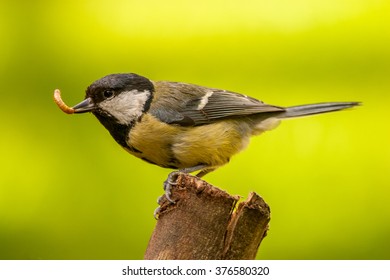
(148, 161)
(173, 162)
(118, 131)
(172, 166)
(121, 134)
(132, 149)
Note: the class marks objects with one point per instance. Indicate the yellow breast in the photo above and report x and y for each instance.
(179, 147)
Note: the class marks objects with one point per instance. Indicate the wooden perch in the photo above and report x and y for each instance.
(203, 224)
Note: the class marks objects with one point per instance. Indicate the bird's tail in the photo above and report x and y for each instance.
(312, 109)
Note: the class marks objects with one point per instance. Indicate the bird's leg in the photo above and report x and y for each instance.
(171, 181)
(172, 177)
(205, 171)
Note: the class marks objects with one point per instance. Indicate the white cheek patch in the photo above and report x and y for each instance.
(127, 106)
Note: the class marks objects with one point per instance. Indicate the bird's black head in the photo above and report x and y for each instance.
(118, 101)
(120, 98)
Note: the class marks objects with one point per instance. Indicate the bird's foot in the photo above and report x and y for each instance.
(168, 184)
(157, 212)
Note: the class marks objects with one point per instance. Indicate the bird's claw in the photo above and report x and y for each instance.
(156, 212)
(169, 183)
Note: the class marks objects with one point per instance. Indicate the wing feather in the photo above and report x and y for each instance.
(189, 105)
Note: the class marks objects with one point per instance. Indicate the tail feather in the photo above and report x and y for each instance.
(319, 108)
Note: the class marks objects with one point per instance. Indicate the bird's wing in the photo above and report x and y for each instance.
(189, 105)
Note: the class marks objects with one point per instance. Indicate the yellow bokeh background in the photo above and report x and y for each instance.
(68, 191)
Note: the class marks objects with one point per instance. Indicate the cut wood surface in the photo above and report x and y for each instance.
(205, 223)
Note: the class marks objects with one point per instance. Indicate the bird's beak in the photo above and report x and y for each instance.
(84, 106)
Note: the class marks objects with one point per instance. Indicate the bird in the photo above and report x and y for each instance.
(183, 126)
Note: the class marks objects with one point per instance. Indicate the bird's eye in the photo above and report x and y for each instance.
(108, 93)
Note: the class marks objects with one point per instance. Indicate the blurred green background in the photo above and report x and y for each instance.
(68, 191)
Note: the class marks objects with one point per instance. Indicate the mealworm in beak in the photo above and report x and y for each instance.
(61, 104)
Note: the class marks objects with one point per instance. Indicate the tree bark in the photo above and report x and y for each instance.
(203, 224)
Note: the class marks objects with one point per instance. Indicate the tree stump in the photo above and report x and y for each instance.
(205, 224)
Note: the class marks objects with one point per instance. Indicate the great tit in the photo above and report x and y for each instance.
(184, 126)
